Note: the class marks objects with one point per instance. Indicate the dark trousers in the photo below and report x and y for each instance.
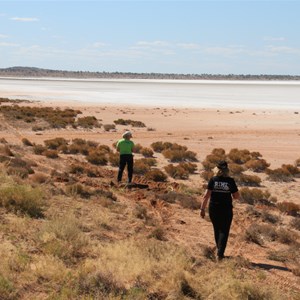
(221, 218)
(126, 159)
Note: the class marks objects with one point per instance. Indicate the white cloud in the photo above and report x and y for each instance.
(189, 46)
(18, 19)
(229, 50)
(99, 45)
(283, 50)
(274, 39)
(8, 45)
(153, 44)
(3, 36)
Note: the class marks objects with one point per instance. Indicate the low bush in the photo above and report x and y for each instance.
(76, 169)
(176, 172)
(270, 218)
(140, 167)
(18, 171)
(39, 178)
(279, 175)
(295, 223)
(258, 233)
(207, 175)
(51, 154)
(156, 175)
(158, 233)
(151, 162)
(114, 159)
(78, 189)
(239, 156)
(55, 143)
(97, 157)
(39, 149)
(109, 127)
(158, 146)
(285, 236)
(257, 165)
(254, 195)
(235, 169)
(247, 180)
(179, 155)
(146, 152)
(63, 238)
(26, 142)
(22, 198)
(5, 150)
(289, 208)
(129, 122)
(88, 122)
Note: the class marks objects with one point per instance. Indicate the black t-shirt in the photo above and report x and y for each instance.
(222, 188)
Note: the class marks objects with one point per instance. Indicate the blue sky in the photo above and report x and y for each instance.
(190, 37)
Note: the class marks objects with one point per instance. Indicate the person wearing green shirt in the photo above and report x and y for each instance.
(125, 147)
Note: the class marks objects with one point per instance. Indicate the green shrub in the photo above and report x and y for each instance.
(22, 198)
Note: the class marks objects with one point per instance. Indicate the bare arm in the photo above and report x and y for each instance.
(206, 197)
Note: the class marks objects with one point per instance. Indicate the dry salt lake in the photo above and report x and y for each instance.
(281, 95)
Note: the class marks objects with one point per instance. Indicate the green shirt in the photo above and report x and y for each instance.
(125, 146)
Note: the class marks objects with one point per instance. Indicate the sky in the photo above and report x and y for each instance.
(185, 37)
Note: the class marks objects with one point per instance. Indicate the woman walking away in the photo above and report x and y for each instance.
(125, 147)
(220, 191)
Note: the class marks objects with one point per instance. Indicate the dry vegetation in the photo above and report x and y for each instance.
(67, 231)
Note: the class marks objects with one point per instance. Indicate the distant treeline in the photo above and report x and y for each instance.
(37, 72)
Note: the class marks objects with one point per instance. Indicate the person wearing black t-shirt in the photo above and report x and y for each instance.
(220, 191)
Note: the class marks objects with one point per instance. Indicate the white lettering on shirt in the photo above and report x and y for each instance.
(221, 186)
